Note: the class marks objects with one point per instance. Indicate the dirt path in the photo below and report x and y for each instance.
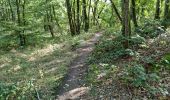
(73, 87)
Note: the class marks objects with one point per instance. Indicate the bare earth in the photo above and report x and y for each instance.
(73, 87)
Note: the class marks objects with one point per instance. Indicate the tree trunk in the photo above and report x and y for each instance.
(166, 14)
(50, 24)
(78, 17)
(133, 8)
(86, 28)
(126, 22)
(69, 13)
(95, 11)
(157, 12)
(89, 13)
(21, 36)
(24, 20)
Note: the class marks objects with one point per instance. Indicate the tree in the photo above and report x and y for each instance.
(166, 14)
(133, 9)
(95, 11)
(126, 22)
(21, 36)
(85, 17)
(78, 17)
(69, 14)
(157, 12)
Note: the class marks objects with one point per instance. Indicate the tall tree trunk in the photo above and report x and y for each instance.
(21, 37)
(157, 12)
(69, 14)
(86, 28)
(126, 22)
(24, 20)
(89, 8)
(78, 17)
(133, 8)
(95, 11)
(166, 13)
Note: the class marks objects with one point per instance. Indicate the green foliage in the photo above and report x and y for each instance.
(17, 91)
(45, 59)
(150, 28)
(136, 76)
(165, 62)
(136, 40)
(108, 50)
(99, 73)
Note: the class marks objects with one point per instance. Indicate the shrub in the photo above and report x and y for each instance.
(150, 28)
(136, 77)
(17, 91)
(137, 39)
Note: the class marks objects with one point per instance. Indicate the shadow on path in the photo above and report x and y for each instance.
(72, 87)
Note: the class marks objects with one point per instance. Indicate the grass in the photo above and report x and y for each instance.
(43, 61)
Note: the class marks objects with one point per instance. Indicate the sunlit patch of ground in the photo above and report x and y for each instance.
(74, 94)
(45, 66)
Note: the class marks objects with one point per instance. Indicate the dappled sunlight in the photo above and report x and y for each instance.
(45, 51)
(78, 66)
(84, 49)
(15, 68)
(74, 93)
(53, 62)
(3, 65)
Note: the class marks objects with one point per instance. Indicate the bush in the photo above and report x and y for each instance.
(17, 91)
(137, 39)
(150, 28)
(107, 50)
(136, 77)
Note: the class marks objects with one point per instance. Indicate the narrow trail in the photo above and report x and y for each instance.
(73, 87)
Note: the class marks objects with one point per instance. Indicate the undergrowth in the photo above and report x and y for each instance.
(35, 70)
(142, 69)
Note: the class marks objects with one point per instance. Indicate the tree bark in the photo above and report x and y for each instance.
(166, 13)
(126, 22)
(157, 12)
(78, 17)
(133, 8)
(21, 36)
(86, 27)
(95, 11)
(69, 14)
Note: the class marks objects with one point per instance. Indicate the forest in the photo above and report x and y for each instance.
(84, 49)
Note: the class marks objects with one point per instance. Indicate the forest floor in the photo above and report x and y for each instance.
(39, 67)
(73, 86)
(105, 77)
(118, 74)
